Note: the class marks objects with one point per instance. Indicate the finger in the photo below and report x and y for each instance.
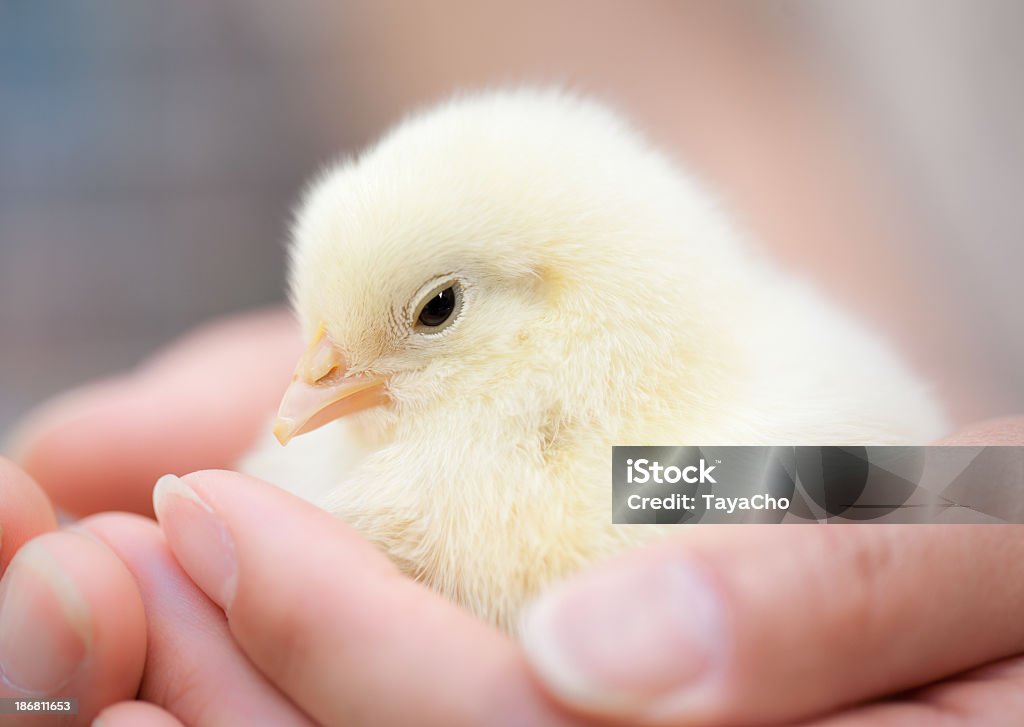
(991, 695)
(330, 621)
(759, 625)
(71, 624)
(24, 511)
(194, 669)
(897, 714)
(201, 403)
(135, 714)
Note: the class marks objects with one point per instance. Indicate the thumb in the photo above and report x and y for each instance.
(768, 624)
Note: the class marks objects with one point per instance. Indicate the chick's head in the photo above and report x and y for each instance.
(500, 247)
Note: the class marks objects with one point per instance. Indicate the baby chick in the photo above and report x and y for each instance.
(500, 290)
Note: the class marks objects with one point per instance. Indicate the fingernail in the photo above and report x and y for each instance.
(198, 538)
(45, 624)
(641, 639)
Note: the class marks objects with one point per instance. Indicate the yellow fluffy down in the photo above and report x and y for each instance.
(605, 300)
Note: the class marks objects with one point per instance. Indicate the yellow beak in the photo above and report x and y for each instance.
(323, 390)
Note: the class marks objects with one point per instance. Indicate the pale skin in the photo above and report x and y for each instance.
(300, 620)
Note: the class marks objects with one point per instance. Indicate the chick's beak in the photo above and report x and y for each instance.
(323, 390)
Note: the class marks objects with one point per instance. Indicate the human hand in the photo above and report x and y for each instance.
(199, 403)
(73, 625)
(101, 448)
(782, 561)
(761, 625)
(71, 619)
(718, 626)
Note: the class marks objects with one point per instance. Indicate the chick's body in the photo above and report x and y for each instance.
(603, 299)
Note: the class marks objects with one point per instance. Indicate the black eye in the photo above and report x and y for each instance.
(439, 308)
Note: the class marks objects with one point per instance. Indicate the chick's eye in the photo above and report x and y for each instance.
(439, 308)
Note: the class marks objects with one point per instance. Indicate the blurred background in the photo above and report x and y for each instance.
(150, 153)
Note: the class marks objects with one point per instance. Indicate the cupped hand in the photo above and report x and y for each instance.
(200, 403)
(286, 612)
(736, 626)
(71, 617)
(71, 614)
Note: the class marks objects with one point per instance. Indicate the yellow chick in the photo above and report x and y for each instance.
(500, 290)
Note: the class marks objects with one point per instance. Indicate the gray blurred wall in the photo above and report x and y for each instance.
(150, 153)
